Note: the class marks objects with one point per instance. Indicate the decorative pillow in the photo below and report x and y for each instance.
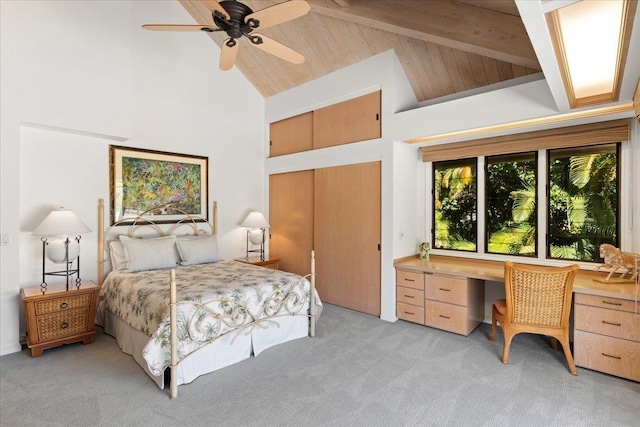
(118, 255)
(199, 250)
(149, 254)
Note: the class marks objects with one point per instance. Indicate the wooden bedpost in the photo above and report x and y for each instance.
(100, 241)
(312, 297)
(174, 341)
(215, 218)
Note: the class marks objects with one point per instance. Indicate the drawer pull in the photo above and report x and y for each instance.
(411, 314)
(611, 323)
(64, 305)
(613, 357)
(611, 303)
(444, 317)
(409, 280)
(64, 325)
(409, 296)
(445, 290)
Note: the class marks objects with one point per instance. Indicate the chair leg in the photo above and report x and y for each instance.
(494, 328)
(508, 336)
(568, 356)
(554, 343)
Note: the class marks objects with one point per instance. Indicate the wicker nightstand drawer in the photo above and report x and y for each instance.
(58, 304)
(59, 316)
(62, 324)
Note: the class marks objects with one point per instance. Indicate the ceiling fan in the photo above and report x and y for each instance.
(238, 20)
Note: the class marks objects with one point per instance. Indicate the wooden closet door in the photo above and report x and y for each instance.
(291, 135)
(347, 234)
(291, 220)
(354, 120)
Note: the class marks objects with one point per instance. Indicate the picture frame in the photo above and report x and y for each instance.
(172, 185)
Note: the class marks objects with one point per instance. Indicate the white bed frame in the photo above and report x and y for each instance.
(195, 224)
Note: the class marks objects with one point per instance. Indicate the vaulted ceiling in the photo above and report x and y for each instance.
(445, 46)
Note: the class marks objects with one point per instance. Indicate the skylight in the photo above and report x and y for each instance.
(591, 40)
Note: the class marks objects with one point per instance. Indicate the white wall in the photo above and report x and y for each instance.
(78, 76)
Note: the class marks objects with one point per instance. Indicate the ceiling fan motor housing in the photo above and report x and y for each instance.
(235, 26)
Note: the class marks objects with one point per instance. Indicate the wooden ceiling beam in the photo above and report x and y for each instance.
(459, 26)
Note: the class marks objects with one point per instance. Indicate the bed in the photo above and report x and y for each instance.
(174, 305)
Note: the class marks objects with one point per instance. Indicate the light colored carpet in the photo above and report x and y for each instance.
(359, 371)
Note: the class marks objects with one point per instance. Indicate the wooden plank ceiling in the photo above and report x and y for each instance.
(445, 46)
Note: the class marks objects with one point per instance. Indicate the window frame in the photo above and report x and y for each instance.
(618, 152)
(487, 237)
(451, 164)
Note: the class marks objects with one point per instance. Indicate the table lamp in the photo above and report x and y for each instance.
(256, 224)
(59, 245)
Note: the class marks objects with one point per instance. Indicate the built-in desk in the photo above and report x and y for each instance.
(606, 315)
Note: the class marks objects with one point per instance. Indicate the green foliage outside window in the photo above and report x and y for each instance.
(583, 202)
(455, 207)
(511, 204)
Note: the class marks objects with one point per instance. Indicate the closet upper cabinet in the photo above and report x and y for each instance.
(291, 135)
(357, 119)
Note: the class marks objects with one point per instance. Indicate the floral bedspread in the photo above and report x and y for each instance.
(215, 299)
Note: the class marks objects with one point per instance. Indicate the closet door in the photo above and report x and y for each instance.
(347, 236)
(291, 135)
(291, 220)
(350, 121)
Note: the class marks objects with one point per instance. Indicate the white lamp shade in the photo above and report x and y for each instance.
(61, 223)
(255, 219)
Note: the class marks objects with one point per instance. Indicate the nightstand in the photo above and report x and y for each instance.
(58, 316)
(273, 263)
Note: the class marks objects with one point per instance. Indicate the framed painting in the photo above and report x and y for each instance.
(173, 184)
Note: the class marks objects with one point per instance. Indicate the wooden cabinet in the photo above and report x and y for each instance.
(606, 335)
(273, 263)
(291, 135)
(354, 120)
(58, 316)
(410, 296)
(455, 304)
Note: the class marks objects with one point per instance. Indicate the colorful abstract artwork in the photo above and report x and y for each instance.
(172, 185)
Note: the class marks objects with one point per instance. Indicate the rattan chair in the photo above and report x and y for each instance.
(538, 301)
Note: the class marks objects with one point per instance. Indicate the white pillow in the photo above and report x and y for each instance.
(149, 254)
(199, 250)
(118, 255)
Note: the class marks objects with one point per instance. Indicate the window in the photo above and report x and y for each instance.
(455, 207)
(511, 204)
(583, 201)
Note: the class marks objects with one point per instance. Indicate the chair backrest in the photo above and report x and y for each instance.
(539, 295)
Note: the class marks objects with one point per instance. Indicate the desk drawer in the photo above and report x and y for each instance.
(449, 317)
(605, 302)
(453, 290)
(610, 355)
(617, 324)
(410, 279)
(410, 296)
(409, 312)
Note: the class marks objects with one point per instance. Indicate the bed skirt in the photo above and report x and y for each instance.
(226, 350)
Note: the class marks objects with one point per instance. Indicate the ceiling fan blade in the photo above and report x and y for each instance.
(171, 27)
(279, 13)
(228, 54)
(277, 49)
(214, 7)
